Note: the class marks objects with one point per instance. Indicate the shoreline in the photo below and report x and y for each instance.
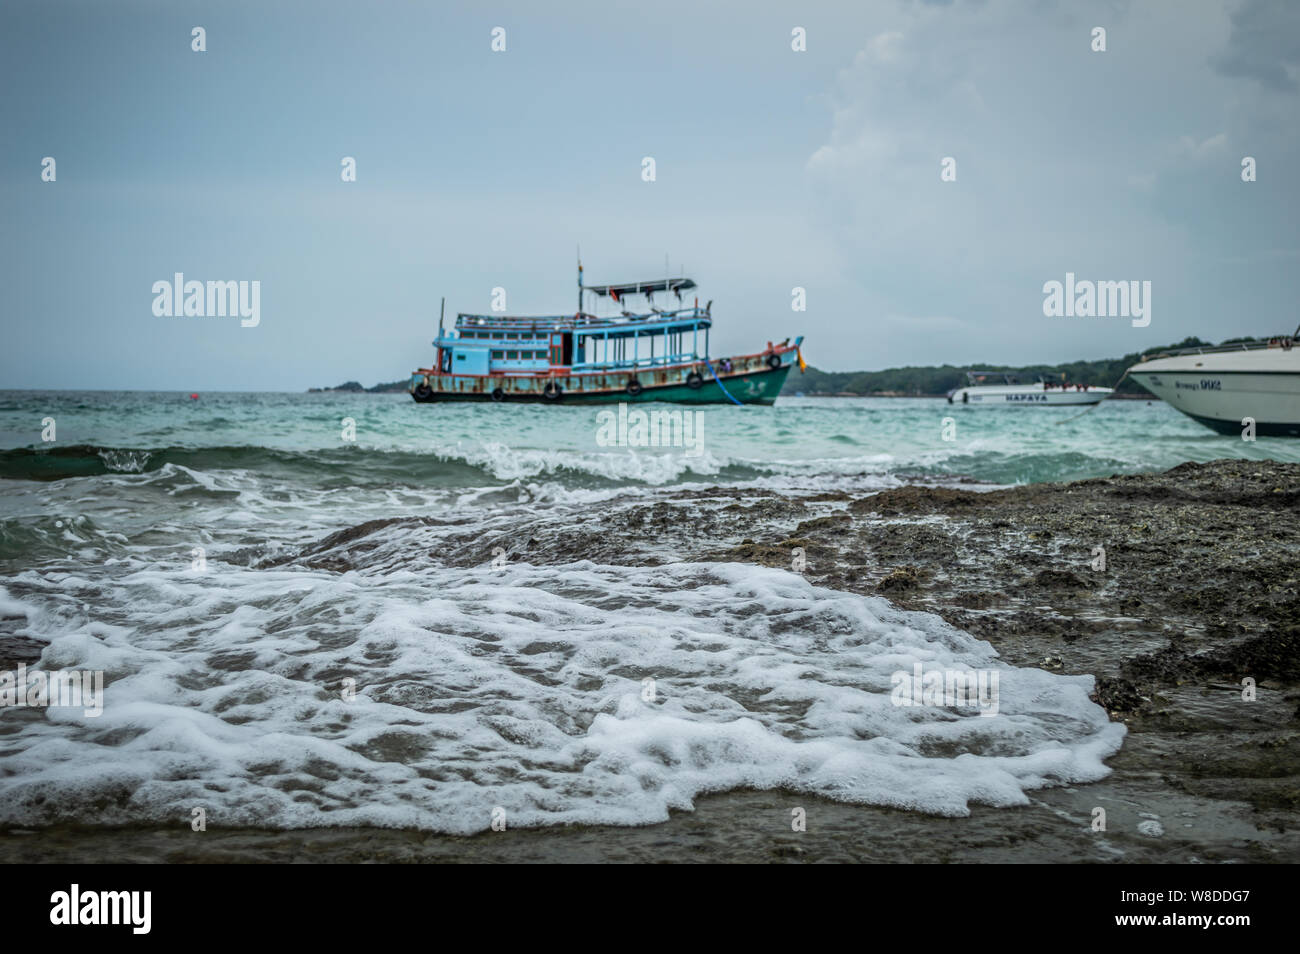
(1200, 589)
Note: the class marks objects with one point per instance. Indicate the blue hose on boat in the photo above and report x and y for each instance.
(720, 387)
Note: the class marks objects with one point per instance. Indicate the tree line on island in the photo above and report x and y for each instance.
(937, 381)
(389, 387)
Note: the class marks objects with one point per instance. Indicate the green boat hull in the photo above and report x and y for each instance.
(752, 387)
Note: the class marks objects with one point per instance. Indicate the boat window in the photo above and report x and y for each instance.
(512, 337)
(498, 355)
(512, 355)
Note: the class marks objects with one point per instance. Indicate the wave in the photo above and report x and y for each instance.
(451, 467)
(492, 464)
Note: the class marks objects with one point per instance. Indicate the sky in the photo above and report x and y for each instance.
(775, 169)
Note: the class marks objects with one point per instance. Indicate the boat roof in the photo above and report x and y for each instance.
(675, 285)
(656, 322)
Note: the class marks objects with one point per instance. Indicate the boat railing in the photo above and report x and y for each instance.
(976, 378)
(1279, 341)
(628, 364)
(571, 322)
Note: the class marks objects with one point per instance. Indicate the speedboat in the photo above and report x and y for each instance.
(1224, 386)
(1007, 390)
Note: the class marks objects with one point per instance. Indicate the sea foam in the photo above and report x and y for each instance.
(573, 694)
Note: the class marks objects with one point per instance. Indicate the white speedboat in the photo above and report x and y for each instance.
(1006, 391)
(1222, 386)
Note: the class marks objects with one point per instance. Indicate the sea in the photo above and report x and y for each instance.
(319, 610)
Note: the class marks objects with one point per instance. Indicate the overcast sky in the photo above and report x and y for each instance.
(775, 169)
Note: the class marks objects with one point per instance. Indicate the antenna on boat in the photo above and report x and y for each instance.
(579, 280)
(441, 311)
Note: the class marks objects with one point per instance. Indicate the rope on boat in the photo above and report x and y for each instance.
(709, 364)
(1099, 403)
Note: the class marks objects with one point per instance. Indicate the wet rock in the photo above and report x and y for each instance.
(1057, 578)
(903, 578)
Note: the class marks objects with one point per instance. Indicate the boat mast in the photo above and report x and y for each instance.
(579, 283)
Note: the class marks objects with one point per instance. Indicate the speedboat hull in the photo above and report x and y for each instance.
(1223, 389)
(1026, 395)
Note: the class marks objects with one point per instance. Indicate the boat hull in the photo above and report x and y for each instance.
(1221, 390)
(1026, 395)
(752, 380)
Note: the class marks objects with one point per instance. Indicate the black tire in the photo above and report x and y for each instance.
(634, 387)
(498, 394)
(693, 380)
(774, 361)
(949, 398)
(552, 391)
(965, 397)
(422, 392)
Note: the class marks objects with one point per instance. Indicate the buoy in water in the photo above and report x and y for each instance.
(194, 397)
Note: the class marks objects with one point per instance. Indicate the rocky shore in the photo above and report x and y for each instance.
(1179, 591)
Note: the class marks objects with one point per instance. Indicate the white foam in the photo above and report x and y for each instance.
(519, 689)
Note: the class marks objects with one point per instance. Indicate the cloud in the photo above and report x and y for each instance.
(1264, 45)
(1188, 146)
(1109, 165)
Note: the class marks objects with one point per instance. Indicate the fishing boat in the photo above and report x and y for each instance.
(653, 354)
(1006, 389)
(1223, 386)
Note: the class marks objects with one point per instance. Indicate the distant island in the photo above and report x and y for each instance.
(931, 381)
(938, 381)
(391, 387)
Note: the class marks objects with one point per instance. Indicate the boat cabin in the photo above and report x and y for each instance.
(584, 341)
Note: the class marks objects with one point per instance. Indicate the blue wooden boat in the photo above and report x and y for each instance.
(655, 355)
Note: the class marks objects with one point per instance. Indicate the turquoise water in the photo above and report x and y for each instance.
(411, 680)
(299, 438)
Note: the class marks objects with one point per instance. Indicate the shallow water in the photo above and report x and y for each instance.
(161, 540)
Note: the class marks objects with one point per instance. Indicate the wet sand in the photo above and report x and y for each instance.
(1200, 590)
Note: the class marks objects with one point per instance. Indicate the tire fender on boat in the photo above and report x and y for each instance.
(774, 361)
(422, 391)
(634, 387)
(498, 394)
(552, 391)
(694, 380)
